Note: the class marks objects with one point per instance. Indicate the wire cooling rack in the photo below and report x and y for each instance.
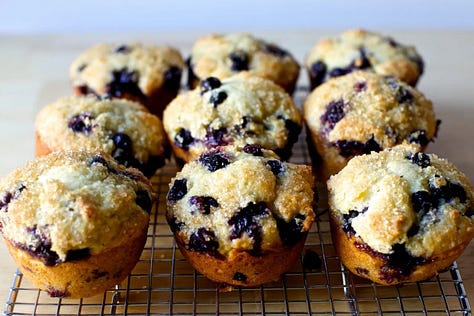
(163, 283)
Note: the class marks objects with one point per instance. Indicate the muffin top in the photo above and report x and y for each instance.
(135, 69)
(240, 110)
(361, 49)
(222, 56)
(122, 128)
(73, 204)
(363, 112)
(403, 197)
(242, 199)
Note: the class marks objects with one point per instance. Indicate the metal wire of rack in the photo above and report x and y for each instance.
(163, 283)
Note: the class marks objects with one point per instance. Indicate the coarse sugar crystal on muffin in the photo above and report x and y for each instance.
(361, 49)
(240, 215)
(150, 74)
(363, 112)
(122, 128)
(75, 222)
(222, 56)
(239, 110)
(400, 215)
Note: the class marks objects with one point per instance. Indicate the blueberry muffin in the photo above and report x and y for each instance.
(400, 215)
(363, 112)
(361, 49)
(239, 110)
(222, 56)
(75, 222)
(122, 128)
(240, 215)
(150, 75)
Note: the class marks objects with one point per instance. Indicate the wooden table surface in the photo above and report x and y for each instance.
(34, 72)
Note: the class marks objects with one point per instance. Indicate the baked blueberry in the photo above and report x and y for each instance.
(81, 123)
(214, 160)
(123, 49)
(291, 232)
(144, 200)
(183, 139)
(253, 149)
(275, 50)
(317, 73)
(217, 97)
(203, 203)
(216, 137)
(210, 83)
(239, 60)
(349, 148)
(124, 82)
(418, 137)
(239, 276)
(420, 159)
(333, 114)
(77, 254)
(204, 241)
(178, 190)
(276, 166)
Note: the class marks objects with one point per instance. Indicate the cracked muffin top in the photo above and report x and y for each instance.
(239, 110)
(134, 69)
(222, 56)
(70, 205)
(401, 199)
(122, 128)
(363, 112)
(240, 198)
(362, 49)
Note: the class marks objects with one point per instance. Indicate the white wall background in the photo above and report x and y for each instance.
(43, 16)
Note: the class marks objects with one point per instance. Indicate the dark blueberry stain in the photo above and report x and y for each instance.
(240, 61)
(124, 82)
(338, 71)
(123, 151)
(418, 137)
(420, 159)
(290, 232)
(293, 129)
(8, 197)
(77, 254)
(216, 137)
(448, 192)
(172, 78)
(144, 200)
(52, 292)
(400, 263)
(239, 276)
(276, 166)
(360, 86)
(174, 224)
(392, 42)
(123, 49)
(41, 248)
(311, 260)
(422, 202)
(275, 50)
(81, 123)
(347, 222)
(214, 160)
(317, 73)
(246, 220)
(183, 139)
(349, 148)
(178, 190)
(404, 95)
(217, 97)
(203, 241)
(209, 84)
(334, 113)
(98, 159)
(203, 203)
(414, 229)
(253, 149)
